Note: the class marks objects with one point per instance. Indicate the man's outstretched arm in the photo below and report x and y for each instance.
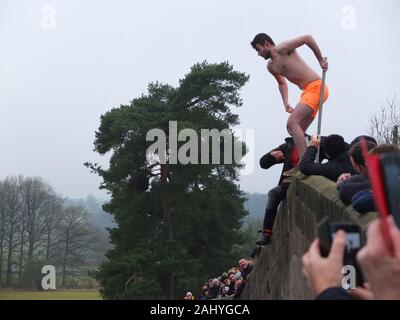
(283, 89)
(290, 45)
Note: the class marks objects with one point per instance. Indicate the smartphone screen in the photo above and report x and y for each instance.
(391, 175)
(353, 241)
(353, 244)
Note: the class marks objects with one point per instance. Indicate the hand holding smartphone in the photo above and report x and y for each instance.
(354, 242)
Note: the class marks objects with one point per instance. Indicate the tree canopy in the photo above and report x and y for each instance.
(176, 223)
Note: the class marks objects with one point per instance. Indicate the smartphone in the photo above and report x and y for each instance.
(390, 164)
(354, 242)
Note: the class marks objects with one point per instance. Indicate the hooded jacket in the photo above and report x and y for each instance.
(287, 149)
(331, 170)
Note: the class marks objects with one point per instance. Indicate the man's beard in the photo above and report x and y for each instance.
(267, 55)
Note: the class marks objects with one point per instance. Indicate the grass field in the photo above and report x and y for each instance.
(49, 295)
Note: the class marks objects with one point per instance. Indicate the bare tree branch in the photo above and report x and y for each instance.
(382, 122)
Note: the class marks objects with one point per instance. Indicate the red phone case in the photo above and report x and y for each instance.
(373, 163)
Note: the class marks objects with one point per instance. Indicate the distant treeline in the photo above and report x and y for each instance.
(255, 205)
(39, 227)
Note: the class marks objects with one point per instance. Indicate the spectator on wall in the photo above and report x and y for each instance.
(336, 150)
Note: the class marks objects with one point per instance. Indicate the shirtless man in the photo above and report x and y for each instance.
(285, 62)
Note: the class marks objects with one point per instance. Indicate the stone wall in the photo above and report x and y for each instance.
(277, 273)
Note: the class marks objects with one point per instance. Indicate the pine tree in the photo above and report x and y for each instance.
(176, 223)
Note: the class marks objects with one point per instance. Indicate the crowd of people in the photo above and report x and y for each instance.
(230, 283)
(379, 263)
(344, 165)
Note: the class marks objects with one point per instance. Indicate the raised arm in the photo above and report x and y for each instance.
(290, 45)
(283, 89)
(268, 159)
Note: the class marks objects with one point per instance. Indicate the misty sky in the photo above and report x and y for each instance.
(57, 79)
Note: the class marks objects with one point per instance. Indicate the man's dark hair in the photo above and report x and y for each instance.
(368, 138)
(356, 152)
(334, 146)
(260, 39)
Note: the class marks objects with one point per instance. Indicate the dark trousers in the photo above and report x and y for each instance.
(275, 196)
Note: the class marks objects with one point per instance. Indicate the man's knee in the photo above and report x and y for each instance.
(275, 191)
(290, 126)
(274, 197)
(289, 131)
(291, 123)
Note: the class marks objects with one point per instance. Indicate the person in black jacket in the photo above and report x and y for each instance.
(287, 154)
(336, 150)
(356, 189)
(348, 185)
(245, 268)
(214, 289)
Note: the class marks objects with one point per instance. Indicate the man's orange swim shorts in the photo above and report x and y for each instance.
(310, 95)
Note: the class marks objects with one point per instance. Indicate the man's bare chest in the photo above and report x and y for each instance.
(279, 65)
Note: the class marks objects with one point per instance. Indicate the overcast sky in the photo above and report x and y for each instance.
(64, 63)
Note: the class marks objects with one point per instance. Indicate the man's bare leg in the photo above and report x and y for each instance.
(305, 123)
(298, 123)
